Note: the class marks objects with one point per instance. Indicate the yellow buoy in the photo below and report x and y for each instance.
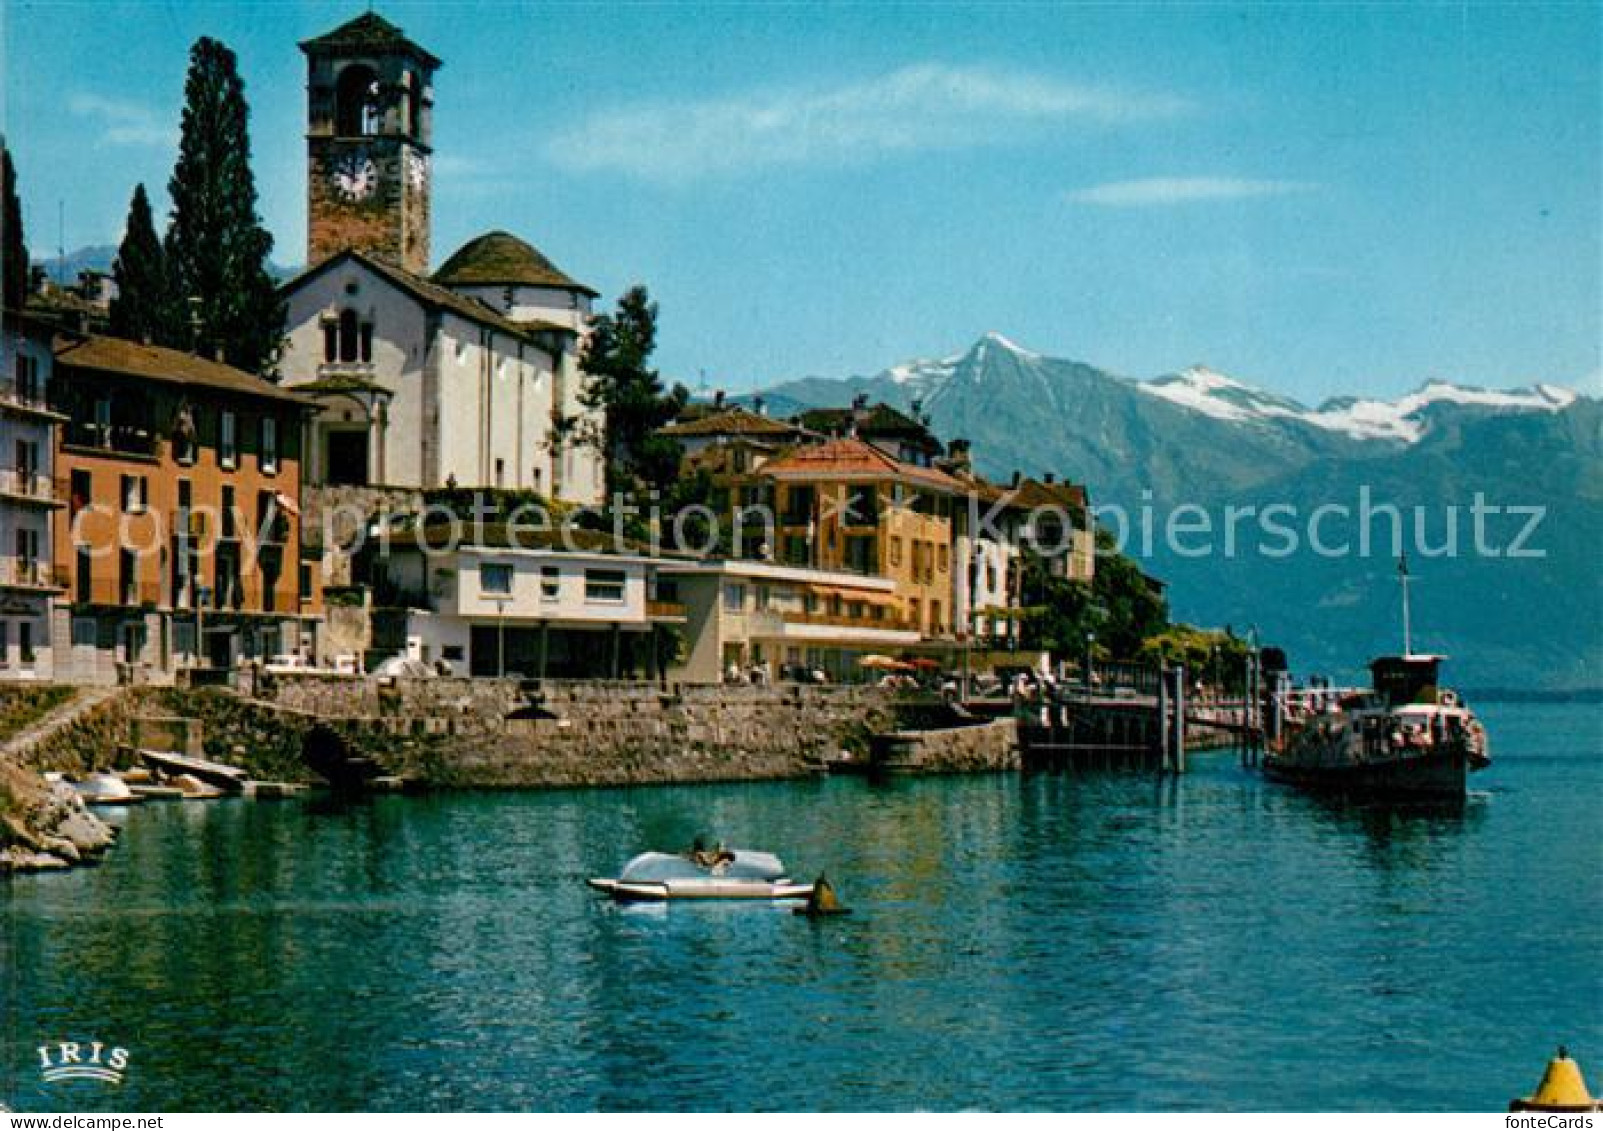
(1563, 1088)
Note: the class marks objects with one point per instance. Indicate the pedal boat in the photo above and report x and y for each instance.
(733, 874)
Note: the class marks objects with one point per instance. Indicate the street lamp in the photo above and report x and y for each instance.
(1090, 643)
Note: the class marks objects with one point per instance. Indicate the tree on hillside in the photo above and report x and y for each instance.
(143, 308)
(1121, 607)
(216, 246)
(13, 250)
(631, 395)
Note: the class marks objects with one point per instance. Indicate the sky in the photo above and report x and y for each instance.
(1319, 199)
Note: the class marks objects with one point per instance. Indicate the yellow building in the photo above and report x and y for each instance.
(847, 505)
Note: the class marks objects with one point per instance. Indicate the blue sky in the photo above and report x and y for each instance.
(1318, 199)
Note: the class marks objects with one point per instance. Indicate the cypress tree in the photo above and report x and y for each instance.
(13, 251)
(216, 246)
(143, 308)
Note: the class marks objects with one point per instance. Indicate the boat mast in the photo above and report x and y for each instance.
(1402, 575)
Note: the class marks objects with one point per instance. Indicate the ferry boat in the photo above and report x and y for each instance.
(1406, 737)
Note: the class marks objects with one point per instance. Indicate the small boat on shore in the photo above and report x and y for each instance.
(106, 789)
(737, 873)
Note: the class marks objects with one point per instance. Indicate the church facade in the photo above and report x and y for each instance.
(467, 377)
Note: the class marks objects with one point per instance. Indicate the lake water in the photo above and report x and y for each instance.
(1094, 942)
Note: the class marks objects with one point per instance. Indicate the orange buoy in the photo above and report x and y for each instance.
(1563, 1088)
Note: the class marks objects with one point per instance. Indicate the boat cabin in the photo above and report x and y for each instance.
(1406, 679)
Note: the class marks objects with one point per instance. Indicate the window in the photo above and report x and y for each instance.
(862, 506)
(85, 576)
(500, 472)
(79, 492)
(366, 346)
(764, 596)
(102, 429)
(331, 341)
(27, 378)
(604, 585)
(5, 643)
(27, 464)
(127, 578)
(896, 550)
(135, 494)
(228, 441)
(943, 563)
(356, 102)
(495, 577)
(27, 549)
(734, 598)
(305, 582)
(25, 640)
(348, 335)
(451, 652)
(550, 583)
(269, 454)
(229, 518)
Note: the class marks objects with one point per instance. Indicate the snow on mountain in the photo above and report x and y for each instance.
(1214, 394)
(1364, 418)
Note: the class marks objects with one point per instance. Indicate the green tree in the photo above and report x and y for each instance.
(13, 249)
(143, 308)
(1121, 607)
(216, 246)
(631, 395)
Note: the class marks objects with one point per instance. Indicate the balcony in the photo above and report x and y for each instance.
(134, 440)
(665, 610)
(25, 485)
(890, 622)
(30, 573)
(27, 396)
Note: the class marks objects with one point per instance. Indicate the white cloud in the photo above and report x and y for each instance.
(1160, 191)
(919, 107)
(124, 123)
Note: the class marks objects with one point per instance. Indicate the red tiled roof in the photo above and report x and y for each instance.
(157, 363)
(855, 459)
(734, 421)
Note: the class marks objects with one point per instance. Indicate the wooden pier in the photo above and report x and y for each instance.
(1149, 724)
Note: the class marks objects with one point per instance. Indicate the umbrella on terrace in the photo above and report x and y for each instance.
(884, 663)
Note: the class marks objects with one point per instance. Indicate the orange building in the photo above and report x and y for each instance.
(847, 505)
(181, 542)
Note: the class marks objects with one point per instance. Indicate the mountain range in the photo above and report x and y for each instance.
(1515, 607)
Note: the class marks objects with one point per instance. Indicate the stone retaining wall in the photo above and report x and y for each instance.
(499, 733)
(950, 750)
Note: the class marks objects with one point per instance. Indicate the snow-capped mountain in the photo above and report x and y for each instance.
(1362, 418)
(1201, 437)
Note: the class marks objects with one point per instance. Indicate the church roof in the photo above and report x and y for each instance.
(500, 259)
(367, 32)
(421, 289)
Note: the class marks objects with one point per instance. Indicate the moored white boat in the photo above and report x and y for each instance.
(727, 874)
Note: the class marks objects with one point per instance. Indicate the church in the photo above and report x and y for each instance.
(465, 377)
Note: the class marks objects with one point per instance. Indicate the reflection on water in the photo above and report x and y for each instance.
(1035, 942)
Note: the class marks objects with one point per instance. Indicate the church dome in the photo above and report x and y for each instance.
(500, 259)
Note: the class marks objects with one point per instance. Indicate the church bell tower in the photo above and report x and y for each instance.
(369, 131)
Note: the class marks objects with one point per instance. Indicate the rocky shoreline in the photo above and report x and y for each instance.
(45, 826)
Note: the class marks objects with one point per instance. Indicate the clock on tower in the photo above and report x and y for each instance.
(370, 110)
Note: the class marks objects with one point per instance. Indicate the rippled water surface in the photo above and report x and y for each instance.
(1035, 942)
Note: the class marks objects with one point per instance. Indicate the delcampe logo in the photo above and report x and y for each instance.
(82, 1060)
